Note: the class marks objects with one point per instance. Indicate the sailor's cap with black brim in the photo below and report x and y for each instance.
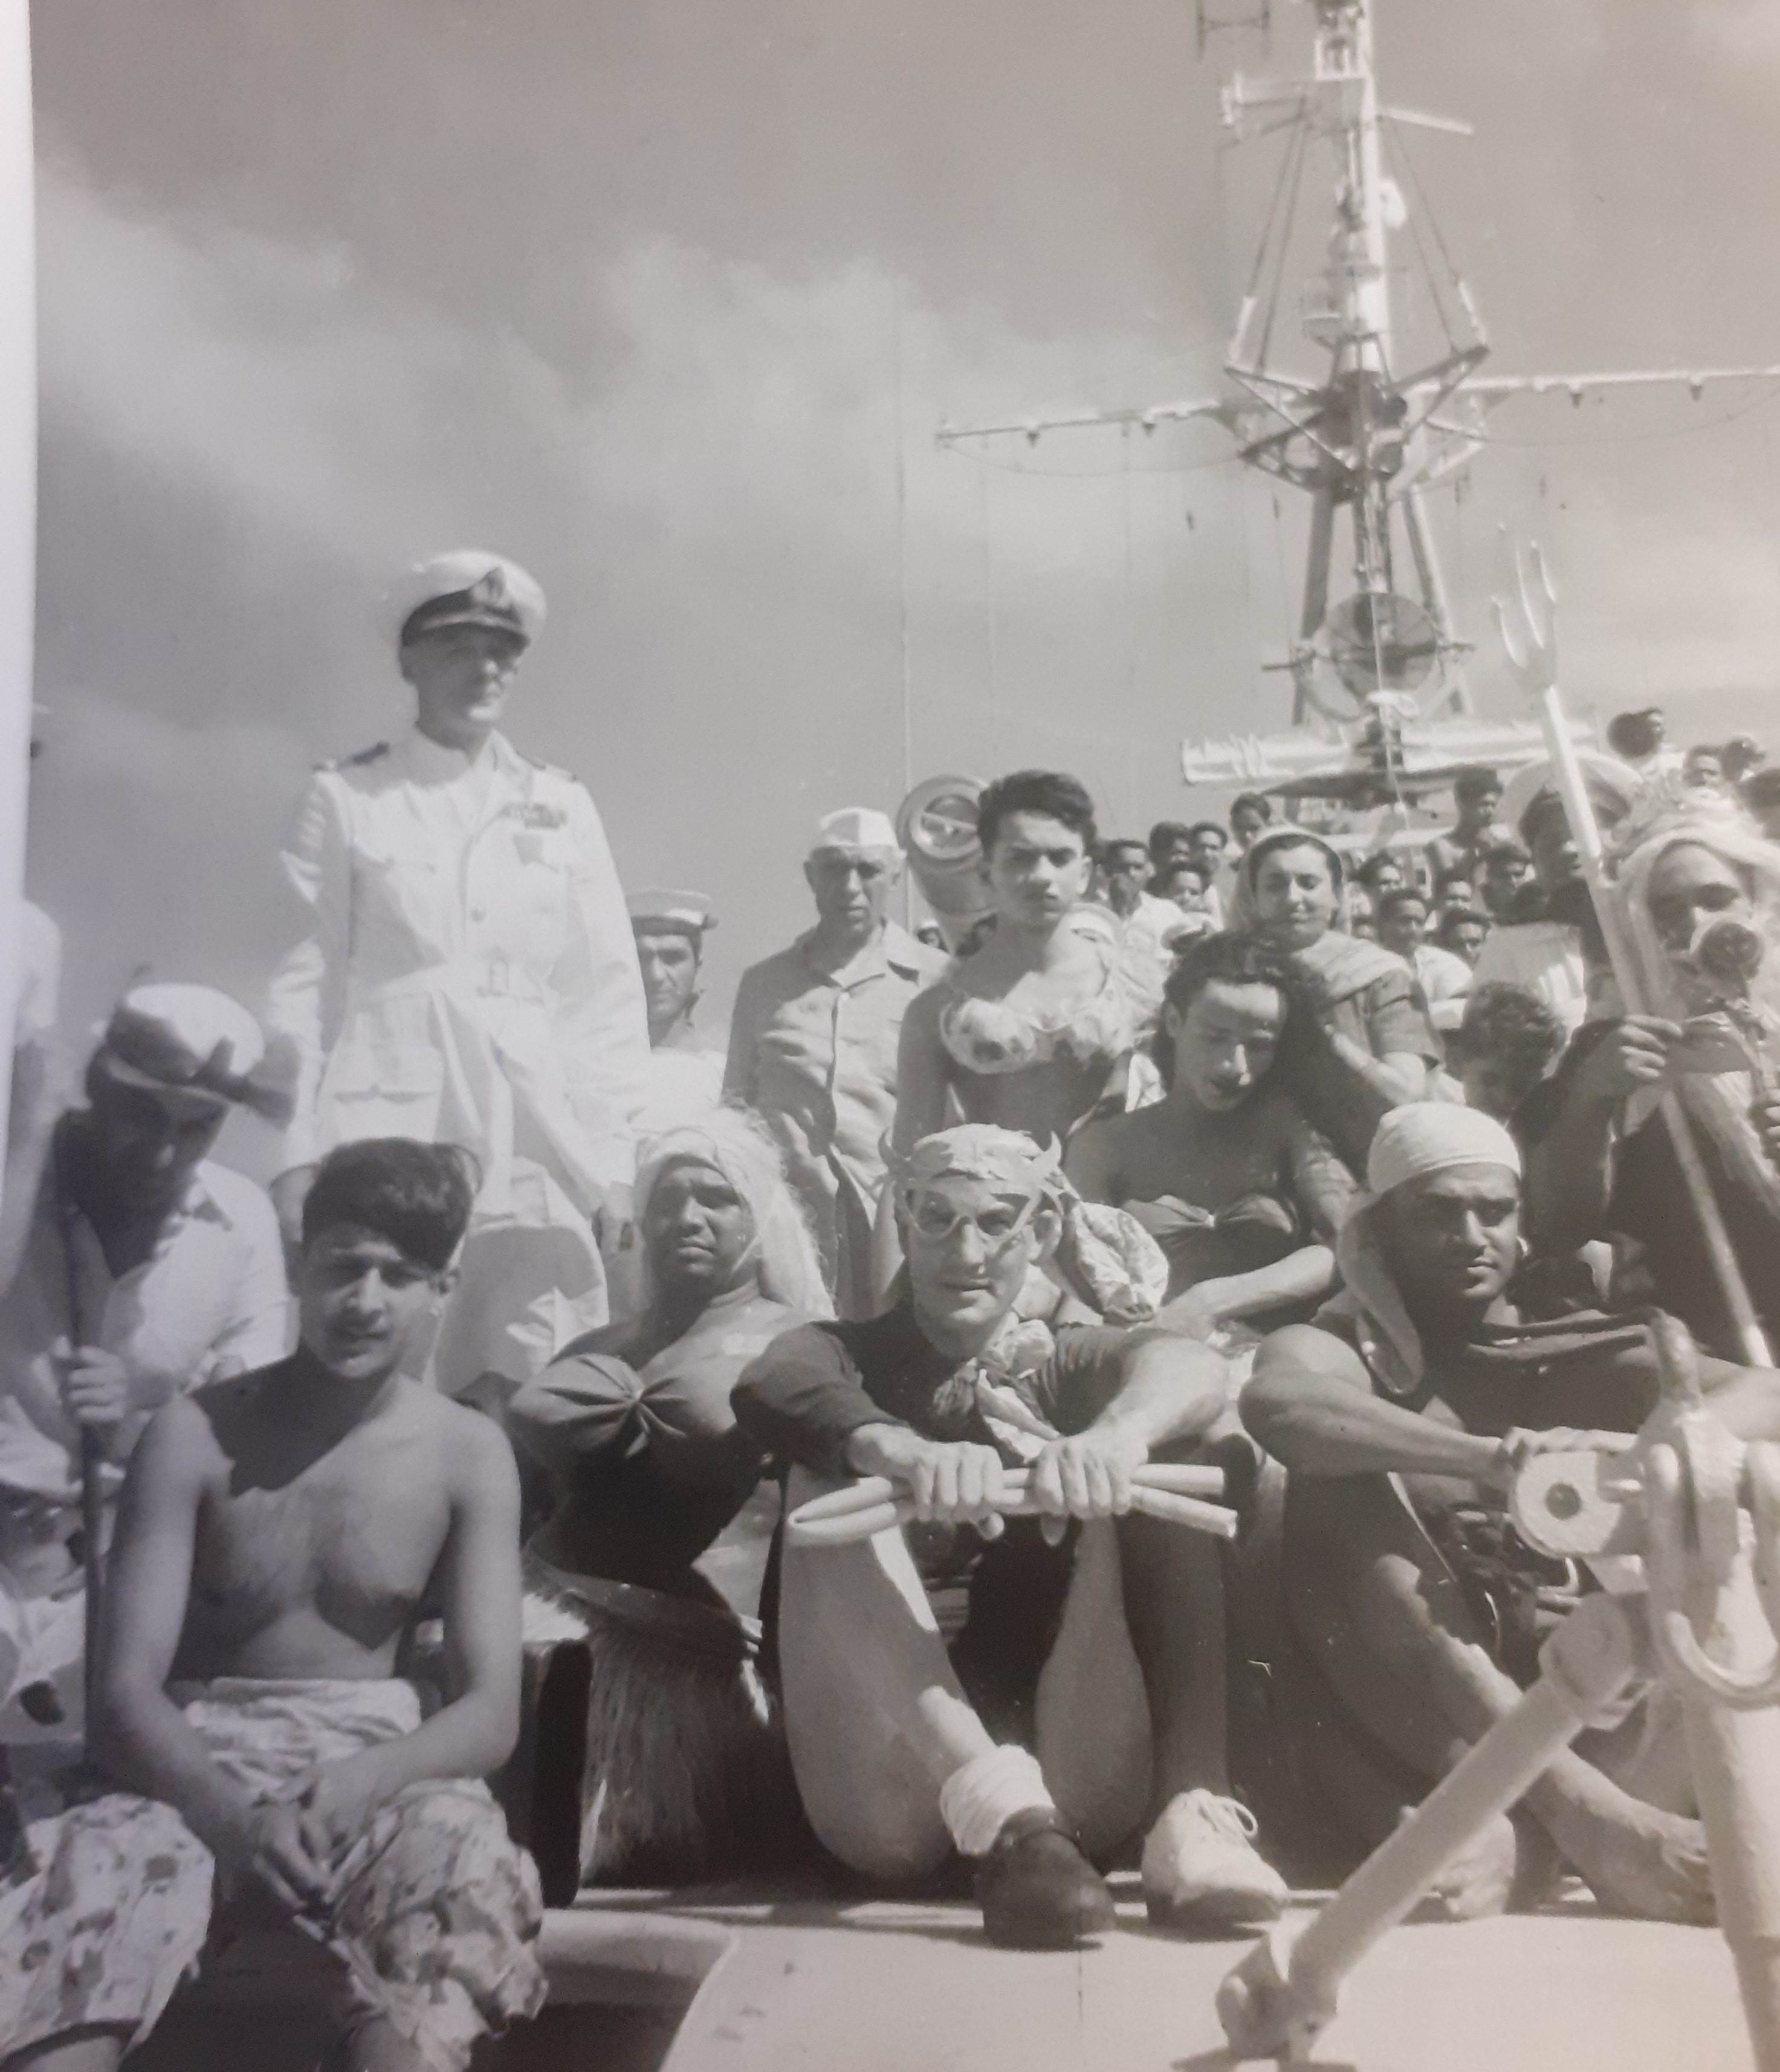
(469, 587)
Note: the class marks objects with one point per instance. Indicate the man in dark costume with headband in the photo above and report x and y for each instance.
(1027, 1693)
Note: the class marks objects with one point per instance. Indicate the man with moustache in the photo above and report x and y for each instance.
(261, 1759)
(813, 1045)
(1402, 1416)
(470, 977)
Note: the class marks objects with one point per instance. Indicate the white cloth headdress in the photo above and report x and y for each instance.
(1672, 816)
(1420, 1138)
(790, 1271)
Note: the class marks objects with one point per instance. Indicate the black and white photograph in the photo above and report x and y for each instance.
(890, 1178)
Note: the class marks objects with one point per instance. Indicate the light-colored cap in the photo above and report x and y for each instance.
(854, 829)
(1613, 787)
(469, 586)
(982, 1151)
(1428, 1137)
(652, 906)
(195, 1048)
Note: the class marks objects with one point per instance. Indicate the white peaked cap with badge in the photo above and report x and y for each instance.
(468, 586)
(854, 828)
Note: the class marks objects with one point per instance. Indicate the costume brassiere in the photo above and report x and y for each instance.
(1203, 1244)
(990, 1036)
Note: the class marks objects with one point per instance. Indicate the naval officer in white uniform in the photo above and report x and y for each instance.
(470, 977)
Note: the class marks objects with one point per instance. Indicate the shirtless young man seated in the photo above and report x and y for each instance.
(279, 1532)
(1025, 1693)
(1402, 1416)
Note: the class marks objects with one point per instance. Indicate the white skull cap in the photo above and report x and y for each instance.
(1429, 1136)
(855, 828)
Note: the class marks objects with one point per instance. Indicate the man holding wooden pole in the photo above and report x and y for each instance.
(1027, 1695)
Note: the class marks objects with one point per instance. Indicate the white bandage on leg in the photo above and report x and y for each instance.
(977, 1802)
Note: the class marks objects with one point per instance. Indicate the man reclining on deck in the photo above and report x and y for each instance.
(277, 1533)
(923, 1667)
(1402, 1414)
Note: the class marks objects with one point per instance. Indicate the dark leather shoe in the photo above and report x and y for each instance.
(1037, 1890)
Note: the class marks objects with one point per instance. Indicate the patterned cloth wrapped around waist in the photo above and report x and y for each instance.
(265, 1734)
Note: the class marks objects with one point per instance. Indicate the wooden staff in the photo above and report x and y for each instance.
(1532, 643)
(875, 1504)
(93, 1495)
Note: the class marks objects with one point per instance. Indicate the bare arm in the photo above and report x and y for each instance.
(1168, 1391)
(1745, 1400)
(922, 1079)
(1570, 1170)
(1310, 1403)
(1396, 1077)
(1090, 1161)
(1300, 1276)
(138, 1733)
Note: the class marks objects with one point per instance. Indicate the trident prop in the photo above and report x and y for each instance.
(1528, 623)
(1694, 1517)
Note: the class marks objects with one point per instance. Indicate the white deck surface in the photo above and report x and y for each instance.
(884, 1987)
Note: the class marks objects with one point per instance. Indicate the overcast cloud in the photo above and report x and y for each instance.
(667, 301)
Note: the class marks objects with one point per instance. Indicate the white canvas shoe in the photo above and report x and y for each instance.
(1202, 1870)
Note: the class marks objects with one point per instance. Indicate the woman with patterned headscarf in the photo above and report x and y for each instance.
(632, 1421)
(1697, 892)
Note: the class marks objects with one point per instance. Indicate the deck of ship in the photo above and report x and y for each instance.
(738, 1980)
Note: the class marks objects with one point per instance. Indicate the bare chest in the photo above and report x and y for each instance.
(352, 1538)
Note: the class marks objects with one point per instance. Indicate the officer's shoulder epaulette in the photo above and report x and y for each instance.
(553, 770)
(373, 754)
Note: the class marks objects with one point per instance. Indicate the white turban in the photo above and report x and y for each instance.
(1413, 1142)
(738, 1148)
(1430, 1136)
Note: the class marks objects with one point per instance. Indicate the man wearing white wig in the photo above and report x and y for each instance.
(1026, 1693)
(147, 1269)
(469, 975)
(1415, 1614)
(1697, 891)
(633, 1422)
(814, 1040)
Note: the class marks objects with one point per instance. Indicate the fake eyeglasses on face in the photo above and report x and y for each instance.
(936, 1219)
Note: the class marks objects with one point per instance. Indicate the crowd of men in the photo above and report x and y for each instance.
(1235, 1146)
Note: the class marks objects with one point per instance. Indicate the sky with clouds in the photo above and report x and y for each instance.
(666, 298)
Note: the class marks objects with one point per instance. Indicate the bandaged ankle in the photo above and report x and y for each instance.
(978, 1801)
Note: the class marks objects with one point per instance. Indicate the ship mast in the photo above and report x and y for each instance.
(1368, 437)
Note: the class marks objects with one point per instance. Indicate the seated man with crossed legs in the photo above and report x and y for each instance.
(1023, 1692)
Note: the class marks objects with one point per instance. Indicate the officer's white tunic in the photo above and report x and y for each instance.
(471, 977)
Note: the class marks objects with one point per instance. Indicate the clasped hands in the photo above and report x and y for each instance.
(292, 1846)
(963, 1483)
